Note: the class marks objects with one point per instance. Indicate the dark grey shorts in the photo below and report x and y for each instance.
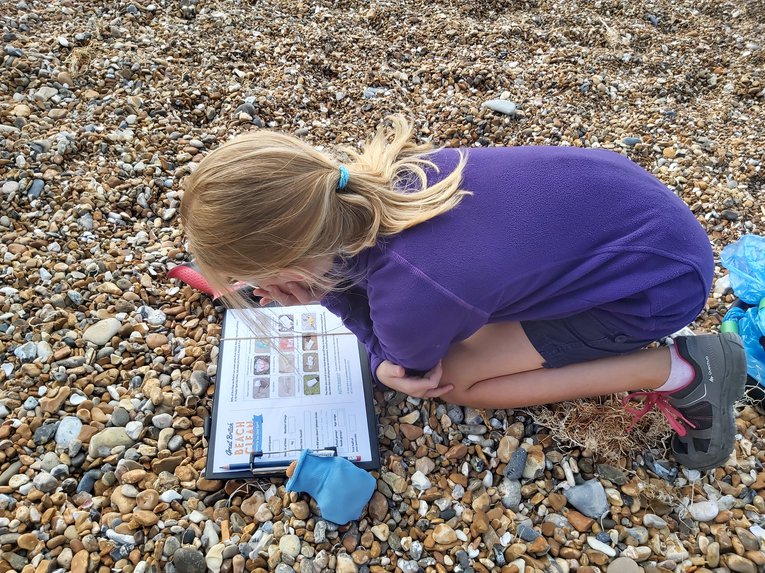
(580, 338)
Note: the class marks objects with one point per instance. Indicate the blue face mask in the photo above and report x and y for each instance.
(340, 488)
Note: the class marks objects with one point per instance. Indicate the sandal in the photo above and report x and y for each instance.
(702, 413)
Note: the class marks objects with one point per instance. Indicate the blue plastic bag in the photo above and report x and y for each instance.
(749, 323)
(745, 261)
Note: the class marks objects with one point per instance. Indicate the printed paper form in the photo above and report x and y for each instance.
(299, 386)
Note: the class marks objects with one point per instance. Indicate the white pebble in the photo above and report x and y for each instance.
(134, 429)
(600, 546)
(170, 496)
(704, 510)
(420, 481)
(758, 531)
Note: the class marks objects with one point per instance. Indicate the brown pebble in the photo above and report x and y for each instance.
(80, 562)
(410, 431)
(580, 522)
(145, 518)
(539, 546)
(556, 501)
(147, 499)
(155, 340)
(27, 541)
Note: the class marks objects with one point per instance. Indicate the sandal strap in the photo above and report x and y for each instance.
(659, 401)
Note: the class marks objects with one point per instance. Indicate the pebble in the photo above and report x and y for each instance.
(638, 554)
(162, 420)
(704, 510)
(290, 545)
(102, 332)
(189, 560)
(598, 545)
(102, 443)
(623, 565)
(502, 106)
(214, 558)
(675, 550)
(443, 534)
(516, 464)
(68, 429)
(420, 481)
(589, 498)
(652, 520)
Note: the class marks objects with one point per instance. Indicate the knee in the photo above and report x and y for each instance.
(459, 394)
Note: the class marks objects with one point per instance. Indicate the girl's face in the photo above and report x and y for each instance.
(316, 267)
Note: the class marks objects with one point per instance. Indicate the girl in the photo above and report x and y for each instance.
(491, 277)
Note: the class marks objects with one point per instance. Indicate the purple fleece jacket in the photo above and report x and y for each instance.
(548, 232)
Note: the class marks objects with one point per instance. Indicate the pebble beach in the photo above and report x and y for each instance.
(107, 367)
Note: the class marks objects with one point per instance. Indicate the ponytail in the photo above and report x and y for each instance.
(265, 201)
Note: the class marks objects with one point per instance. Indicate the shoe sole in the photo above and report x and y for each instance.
(735, 386)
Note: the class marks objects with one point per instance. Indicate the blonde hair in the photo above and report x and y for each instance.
(266, 201)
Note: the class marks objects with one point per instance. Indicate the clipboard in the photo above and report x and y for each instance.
(267, 408)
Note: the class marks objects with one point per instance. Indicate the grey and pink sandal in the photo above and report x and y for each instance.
(702, 413)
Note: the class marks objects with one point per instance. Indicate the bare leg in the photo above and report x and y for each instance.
(499, 368)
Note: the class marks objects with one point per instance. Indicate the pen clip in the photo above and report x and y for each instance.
(328, 452)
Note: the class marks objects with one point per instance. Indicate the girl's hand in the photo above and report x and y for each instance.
(286, 294)
(394, 376)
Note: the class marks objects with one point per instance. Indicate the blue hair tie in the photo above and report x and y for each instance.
(344, 175)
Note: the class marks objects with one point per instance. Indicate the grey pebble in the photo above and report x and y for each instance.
(652, 520)
(175, 443)
(16, 53)
(88, 480)
(36, 189)
(49, 461)
(189, 560)
(26, 352)
(45, 482)
(44, 433)
(516, 464)
(510, 490)
(612, 474)
(120, 417)
(75, 297)
(526, 532)
(639, 534)
(589, 498)
(9, 472)
(199, 383)
(15, 560)
(456, 415)
(320, 531)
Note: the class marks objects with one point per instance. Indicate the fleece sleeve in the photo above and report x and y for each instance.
(414, 320)
(352, 306)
